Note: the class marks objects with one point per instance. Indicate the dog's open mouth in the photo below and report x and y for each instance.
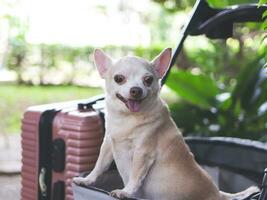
(132, 104)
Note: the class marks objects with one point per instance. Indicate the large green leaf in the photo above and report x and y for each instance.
(245, 78)
(261, 2)
(250, 87)
(200, 89)
(216, 3)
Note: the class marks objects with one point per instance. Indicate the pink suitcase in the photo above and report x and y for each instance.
(59, 141)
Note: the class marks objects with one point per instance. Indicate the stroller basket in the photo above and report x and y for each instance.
(233, 163)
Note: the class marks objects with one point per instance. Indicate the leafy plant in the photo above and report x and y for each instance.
(211, 111)
(224, 3)
(264, 15)
(199, 89)
(261, 2)
(17, 45)
(177, 5)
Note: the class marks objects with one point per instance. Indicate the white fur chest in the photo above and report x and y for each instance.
(123, 137)
(123, 155)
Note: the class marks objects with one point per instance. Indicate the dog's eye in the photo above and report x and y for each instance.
(148, 80)
(119, 79)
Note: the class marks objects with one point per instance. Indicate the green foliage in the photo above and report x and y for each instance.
(47, 57)
(224, 3)
(199, 89)
(17, 53)
(261, 2)
(221, 85)
(265, 21)
(264, 15)
(236, 70)
(148, 52)
(18, 47)
(242, 112)
(175, 5)
(178, 5)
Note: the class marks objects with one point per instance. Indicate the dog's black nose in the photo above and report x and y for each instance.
(136, 92)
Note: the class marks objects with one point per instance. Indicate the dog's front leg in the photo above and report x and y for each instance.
(143, 159)
(103, 162)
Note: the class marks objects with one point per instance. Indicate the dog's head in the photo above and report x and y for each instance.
(132, 82)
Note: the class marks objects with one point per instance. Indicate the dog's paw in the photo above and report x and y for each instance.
(83, 181)
(121, 194)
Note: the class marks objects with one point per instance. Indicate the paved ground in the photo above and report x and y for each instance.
(10, 187)
(10, 154)
(10, 165)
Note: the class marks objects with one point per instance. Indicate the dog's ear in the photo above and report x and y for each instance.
(102, 62)
(162, 61)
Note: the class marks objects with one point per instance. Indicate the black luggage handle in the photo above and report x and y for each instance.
(89, 105)
(215, 23)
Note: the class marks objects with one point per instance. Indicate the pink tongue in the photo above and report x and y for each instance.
(134, 106)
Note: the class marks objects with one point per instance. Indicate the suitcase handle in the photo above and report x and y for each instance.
(85, 106)
(89, 105)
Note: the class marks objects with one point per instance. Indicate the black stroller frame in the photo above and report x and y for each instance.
(245, 157)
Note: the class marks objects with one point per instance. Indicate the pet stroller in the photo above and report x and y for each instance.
(234, 164)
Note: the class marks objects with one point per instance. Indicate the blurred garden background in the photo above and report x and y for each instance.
(217, 87)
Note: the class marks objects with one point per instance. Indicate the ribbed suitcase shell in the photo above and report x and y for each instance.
(82, 132)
